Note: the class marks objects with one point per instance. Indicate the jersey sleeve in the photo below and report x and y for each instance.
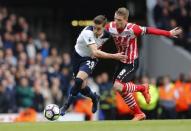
(138, 30)
(156, 31)
(88, 37)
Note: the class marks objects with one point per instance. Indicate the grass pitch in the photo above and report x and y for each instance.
(147, 125)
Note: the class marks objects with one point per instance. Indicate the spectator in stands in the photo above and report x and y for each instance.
(39, 59)
(38, 101)
(54, 56)
(10, 58)
(65, 78)
(9, 84)
(107, 101)
(24, 93)
(157, 13)
(22, 26)
(31, 49)
(165, 19)
(167, 102)
(45, 50)
(13, 19)
(8, 41)
(66, 73)
(149, 109)
(18, 49)
(3, 100)
(181, 99)
(169, 14)
(46, 91)
(56, 92)
(42, 44)
(54, 71)
(66, 60)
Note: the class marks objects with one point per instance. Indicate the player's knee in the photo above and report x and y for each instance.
(118, 86)
(77, 86)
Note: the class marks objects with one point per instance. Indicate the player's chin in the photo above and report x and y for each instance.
(119, 26)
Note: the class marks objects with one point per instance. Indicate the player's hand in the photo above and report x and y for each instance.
(120, 56)
(175, 32)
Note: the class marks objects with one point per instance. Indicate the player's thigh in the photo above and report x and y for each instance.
(129, 77)
(118, 69)
(88, 66)
(124, 76)
(85, 69)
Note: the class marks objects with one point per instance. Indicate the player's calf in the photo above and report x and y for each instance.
(77, 87)
(130, 101)
(73, 93)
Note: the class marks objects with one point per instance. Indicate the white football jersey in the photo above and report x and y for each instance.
(86, 38)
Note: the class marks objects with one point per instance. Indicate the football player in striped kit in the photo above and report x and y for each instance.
(125, 36)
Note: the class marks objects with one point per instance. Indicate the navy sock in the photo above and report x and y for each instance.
(73, 92)
(87, 92)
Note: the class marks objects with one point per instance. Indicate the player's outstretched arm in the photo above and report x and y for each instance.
(100, 54)
(172, 33)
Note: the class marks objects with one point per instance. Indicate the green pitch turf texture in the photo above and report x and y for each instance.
(147, 125)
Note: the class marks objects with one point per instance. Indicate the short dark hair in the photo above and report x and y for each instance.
(123, 12)
(100, 19)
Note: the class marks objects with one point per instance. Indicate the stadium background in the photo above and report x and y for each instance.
(37, 39)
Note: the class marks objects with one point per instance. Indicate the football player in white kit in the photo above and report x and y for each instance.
(87, 50)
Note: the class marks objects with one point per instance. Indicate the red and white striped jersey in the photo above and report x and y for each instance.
(126, 39)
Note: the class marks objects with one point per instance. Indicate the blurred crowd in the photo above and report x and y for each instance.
(34, 74)
(169, 14)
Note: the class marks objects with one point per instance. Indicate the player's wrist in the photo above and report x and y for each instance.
(116, 56)
(113, 56)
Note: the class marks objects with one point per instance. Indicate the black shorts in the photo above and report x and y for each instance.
(126, 72)
(86, 64)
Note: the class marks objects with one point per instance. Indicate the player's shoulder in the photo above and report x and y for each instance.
(136, 29)
(131, 25)
(88, 30)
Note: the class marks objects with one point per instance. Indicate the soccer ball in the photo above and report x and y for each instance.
(52, 112)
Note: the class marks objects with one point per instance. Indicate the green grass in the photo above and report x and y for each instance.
(148, 125)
